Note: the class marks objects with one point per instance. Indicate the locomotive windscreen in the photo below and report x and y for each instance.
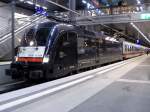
(36, 37)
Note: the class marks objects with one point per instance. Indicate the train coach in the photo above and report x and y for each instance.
(51, 50)
(132, 50)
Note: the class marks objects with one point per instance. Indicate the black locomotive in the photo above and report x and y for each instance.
(52, 50)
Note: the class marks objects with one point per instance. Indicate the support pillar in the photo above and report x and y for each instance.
(13, 28)
(72, 6)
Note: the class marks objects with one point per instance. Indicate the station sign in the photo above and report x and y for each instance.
(145, 16)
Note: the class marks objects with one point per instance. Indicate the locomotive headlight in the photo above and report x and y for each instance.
(31, 43)
(46, 59)
(16, 58)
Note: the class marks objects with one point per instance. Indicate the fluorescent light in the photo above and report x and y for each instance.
(131, 23)
(107, 38)
(45, 7)
(83, 1)
(141, 8)
(29, 2)
(111, 39)
(17, 15)
(138, 2)
(37, 5)
(137, 8)
(19, 39)
(140, 31)
(88, 5)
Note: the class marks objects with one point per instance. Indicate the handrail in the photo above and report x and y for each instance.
(6, 30)
(18, 30)
(5, 40)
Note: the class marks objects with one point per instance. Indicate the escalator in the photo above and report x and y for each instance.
(5, 35)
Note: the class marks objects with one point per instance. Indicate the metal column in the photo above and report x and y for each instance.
(72, 6)
(13, 28)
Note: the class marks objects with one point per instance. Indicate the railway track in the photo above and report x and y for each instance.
(16, 85)
(12, 86)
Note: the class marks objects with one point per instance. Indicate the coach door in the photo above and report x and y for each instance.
(66, 53)
(70, 51)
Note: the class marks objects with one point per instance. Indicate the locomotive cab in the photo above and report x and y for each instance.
(44, 52)
(31, 58)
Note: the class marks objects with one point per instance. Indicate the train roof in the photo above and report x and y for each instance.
(66, 26)
(46, 24)
(133, 44)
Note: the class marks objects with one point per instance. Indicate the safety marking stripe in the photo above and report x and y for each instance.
(5, 63)
(41, 94)
(134, 81)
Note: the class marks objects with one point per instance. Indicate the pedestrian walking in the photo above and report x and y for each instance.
(147, 52)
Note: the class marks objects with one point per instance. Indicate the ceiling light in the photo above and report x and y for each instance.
(29, 2)
(141, 8)
(131, 23)
(88, 5)
(137, 8)
(83, 1)
(138, 2)
(45, 8)
(37, 5)
(31, 43)
(107, 38)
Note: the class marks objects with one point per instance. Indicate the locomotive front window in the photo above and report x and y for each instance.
(36, 37)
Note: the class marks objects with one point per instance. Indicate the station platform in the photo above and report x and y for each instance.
(124, 89)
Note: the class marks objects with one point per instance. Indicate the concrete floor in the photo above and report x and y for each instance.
(126, 89)
(118, 97)
(128, 95)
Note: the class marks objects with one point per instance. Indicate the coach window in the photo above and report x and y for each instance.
(129, 48)
(126, 49)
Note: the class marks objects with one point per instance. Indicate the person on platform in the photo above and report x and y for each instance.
(147, 52)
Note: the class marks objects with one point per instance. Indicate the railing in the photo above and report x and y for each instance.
(7, 28)
(5, 46)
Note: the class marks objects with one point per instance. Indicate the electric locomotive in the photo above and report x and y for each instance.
(52, 50)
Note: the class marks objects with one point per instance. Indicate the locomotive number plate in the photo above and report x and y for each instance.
(31, 51)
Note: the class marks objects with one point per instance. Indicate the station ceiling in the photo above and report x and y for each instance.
(79, 4)
(122, 27)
